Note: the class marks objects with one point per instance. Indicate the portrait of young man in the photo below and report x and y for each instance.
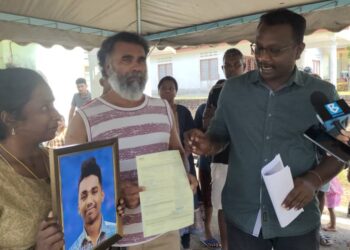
(90, 199)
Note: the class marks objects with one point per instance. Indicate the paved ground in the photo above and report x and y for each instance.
(341, 238)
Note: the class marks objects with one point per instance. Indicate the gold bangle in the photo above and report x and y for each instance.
(313, 172)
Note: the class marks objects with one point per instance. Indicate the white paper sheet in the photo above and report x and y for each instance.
(279, 182)
(167, 202)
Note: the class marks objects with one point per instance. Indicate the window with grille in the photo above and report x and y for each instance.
(209, 69)
(316, 67)
(165, 69)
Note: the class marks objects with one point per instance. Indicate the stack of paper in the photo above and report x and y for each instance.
(279, 182)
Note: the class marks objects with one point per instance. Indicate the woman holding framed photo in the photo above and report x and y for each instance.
(27, 118)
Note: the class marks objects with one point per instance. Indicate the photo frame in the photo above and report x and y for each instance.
(85, 190)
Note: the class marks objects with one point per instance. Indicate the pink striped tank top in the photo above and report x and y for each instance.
(141, 130)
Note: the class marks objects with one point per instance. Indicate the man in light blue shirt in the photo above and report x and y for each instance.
(91, 196)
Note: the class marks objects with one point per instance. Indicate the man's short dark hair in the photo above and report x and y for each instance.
(80, 81)
(90, 167)
(108, 45)
(233, 52)
(285, 16)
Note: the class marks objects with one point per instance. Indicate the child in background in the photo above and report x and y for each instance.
(333, 197)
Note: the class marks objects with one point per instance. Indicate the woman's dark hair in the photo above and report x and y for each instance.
(168, 78)
(16, 87)
(220, 81)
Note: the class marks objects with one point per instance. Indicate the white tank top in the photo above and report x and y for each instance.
(140, 130)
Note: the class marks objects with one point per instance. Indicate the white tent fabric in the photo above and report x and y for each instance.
(156, 16)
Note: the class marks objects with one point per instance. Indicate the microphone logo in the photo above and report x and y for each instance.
(334, 109)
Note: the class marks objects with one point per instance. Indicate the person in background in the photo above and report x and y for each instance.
(233, 66)
(348, 177)
(79, 99)
(333, 197)
(167, 89)
(205, 180)
(261, 114)
(27, 119)
(58, 141)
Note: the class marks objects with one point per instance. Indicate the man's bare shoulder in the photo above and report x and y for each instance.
(76, 131)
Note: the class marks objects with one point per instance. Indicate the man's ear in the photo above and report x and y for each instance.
(300, 49)
(108, 66)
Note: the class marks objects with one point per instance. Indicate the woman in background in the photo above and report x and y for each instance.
(27, 118)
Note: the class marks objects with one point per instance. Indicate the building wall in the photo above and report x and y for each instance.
(186, 67)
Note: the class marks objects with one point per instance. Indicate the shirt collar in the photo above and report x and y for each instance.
(86, 237)
(296, 78)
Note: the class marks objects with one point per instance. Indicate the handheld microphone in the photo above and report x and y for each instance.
(331, 114)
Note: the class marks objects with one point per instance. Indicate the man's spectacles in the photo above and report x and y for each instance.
(272, 51)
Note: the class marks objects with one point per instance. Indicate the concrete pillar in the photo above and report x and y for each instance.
(333, 72)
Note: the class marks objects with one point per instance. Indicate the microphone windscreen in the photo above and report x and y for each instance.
(318, 100)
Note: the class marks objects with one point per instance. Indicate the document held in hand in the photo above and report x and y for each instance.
(167, 202)
(279, 182)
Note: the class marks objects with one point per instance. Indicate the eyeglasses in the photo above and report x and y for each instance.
(272, 51)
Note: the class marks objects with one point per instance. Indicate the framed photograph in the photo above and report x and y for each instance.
(85, 190)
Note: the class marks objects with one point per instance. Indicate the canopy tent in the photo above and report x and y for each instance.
(86, 23)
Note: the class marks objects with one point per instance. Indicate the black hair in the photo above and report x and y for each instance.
(108, 45)
(233, 52)
(90, 167)
(285, 16)
(168, 78)
(220, 81)
(80, 81)
(16, 87)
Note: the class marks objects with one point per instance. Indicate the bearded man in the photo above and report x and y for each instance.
(142, 124)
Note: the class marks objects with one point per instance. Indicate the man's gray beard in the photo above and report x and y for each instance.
(129, 89)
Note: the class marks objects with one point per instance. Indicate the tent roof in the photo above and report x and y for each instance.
(86, 23)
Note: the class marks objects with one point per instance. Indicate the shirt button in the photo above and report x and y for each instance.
(267, 137)
(269, 115)
(265, 160)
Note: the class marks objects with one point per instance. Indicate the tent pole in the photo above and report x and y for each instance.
(138, 14)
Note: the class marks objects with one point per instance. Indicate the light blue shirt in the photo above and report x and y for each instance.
(83, 242)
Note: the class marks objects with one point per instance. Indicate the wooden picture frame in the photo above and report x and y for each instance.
(78, 201)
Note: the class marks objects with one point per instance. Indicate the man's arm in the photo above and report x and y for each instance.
(305, 186)
(208, 115)
(71, 113)
(202, 144)
(175, 144)
(76, 131)
(209, 110)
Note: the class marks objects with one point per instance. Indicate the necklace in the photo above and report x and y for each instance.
(20, 162)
